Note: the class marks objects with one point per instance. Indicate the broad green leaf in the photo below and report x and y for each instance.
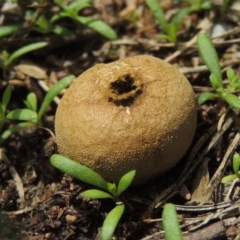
(209, 54)
(229, 178)
(125, 181)
(216, 82)
(7, 133)
(95, 194)
(112, 189)
(98, 26)
(53, 92)
(6, 98)
(8, 30)
(205, 97)
(78, 171)
(232, 100)
(170, 223)
(31, 101)
(236, 163)
(24, 50)
(158, 13)
(111, 221)
(23, 115)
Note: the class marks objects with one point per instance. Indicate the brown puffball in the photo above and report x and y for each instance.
(135, 113)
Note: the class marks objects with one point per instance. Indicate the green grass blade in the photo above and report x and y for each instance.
(78, 171)
(98, 26)
(24, 50)
(170, 223)
(8, 30)
(158, 13)
(209, 55)
(53, 92)
(7, 133)
(6, 98)
(96, 194)
(23, 115)
(125, 181)
(111, 221)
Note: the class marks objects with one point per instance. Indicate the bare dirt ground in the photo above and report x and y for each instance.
(39, 202)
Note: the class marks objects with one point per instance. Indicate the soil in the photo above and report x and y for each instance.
(39, 202)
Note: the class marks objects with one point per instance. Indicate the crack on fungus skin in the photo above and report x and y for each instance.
(125, 90)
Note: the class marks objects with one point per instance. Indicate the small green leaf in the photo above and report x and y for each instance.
(125, 181)
(216, 82)
(95, 194)
(230, 74)
(6, 98)
(7, 133)
(53, 92)
(111, 221)
(23, 115)
(62, 31)
(229, 178)
(5, 55)
(8, 30)
(59, 15)
(236, 163)
(209, 55)
(24, 50)
(232, 100)
(234, 81)
(112, 189)
(31, 101)
(170, 223)
(78, 171)
(205, 97)
(206, 5)
(98, 26)
(78, 5)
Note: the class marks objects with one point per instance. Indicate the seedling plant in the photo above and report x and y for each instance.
(7, 58)
(171, 28)
(236, 170)
(30, 115)
(41, 22)
(109, 190)
(226, 93)
(72, 10)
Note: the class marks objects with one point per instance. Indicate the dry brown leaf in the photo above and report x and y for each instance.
(201, 193)
(31, 70)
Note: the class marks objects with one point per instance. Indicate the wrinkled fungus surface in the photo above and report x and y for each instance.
(134, 113)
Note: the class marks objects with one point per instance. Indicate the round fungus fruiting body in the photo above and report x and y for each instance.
(135, 113)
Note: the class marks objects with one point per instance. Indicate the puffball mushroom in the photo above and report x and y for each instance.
(135, 113)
